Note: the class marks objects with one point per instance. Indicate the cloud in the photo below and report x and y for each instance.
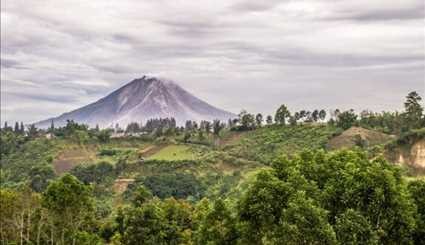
(43, 97)
(379, 10)
(255, 6)
(58, 56)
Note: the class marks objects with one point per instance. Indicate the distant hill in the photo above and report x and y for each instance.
(142, 99)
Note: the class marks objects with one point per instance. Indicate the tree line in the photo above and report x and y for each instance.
(388, 122)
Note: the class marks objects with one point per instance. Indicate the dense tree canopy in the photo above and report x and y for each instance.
(329, 189)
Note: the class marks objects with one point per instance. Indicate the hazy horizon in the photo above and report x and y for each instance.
(57, 57)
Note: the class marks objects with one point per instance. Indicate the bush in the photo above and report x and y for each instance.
(108, 152)
(177, 185)
(94, 173)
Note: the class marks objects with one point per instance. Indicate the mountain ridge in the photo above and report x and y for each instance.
(140, 100)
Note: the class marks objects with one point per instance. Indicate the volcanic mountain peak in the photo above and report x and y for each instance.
(142, 99)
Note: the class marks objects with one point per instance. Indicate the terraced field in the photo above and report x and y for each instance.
(173, 153)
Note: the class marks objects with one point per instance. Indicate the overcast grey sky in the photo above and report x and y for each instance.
(247, 54)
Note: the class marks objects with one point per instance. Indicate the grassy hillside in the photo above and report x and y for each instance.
(174, 152)
(126, 173)
(265, 144)
(237, 151)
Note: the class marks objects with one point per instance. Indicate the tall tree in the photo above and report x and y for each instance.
(52, 127)
(22, 128)
(282, 114)
(32, 131)
(346, 119)
(269, 119)
(70, 206)
(217, 127)
(16, 129)
(6, 127)
(315, 115)
(259, 119)
(303, 114)
(322, 115)
(207, 127)
(247, 120)
(413, 110)
(218, 226)
(145, 225)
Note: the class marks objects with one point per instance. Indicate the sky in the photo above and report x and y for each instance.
(57, 56)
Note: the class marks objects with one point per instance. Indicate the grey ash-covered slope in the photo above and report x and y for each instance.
(140, 100)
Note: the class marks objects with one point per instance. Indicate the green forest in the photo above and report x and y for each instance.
(295, 177)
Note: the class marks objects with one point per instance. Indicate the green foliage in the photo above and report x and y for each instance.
(19, 209)
(70, 206)
(259, 119)
(269, 120)
(104, 136)
(32, 132)
(394, 122)
(267, 143)
(353, 228)
(177, 185)
(94, 173)
(325, 188)
(10, 142)
(86, 238)
(108, 152)
(304, 222)
(218, 226)
(70, 129)
(217, 127)
(307, 197)
(414, 110)
(80, 137)
(409, 138)
(387, 122)
(346, 119)
(246, 121)
(156, 222)
(16, 166)
(282, 115)
(40, 175)
(174, 152)
(417, 190)
(145, 224)
(140, 196)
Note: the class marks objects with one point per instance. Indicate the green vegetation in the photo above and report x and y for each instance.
(177, 185)
(314, 196)
(242, 182)
(174, 152)
(267, 143)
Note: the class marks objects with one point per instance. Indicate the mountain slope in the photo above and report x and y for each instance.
(140, 100)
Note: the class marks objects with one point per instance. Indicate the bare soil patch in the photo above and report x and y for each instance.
(69, 158)
(120, 185)
(351, 137)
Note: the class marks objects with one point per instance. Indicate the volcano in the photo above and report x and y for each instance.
(140, 100)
